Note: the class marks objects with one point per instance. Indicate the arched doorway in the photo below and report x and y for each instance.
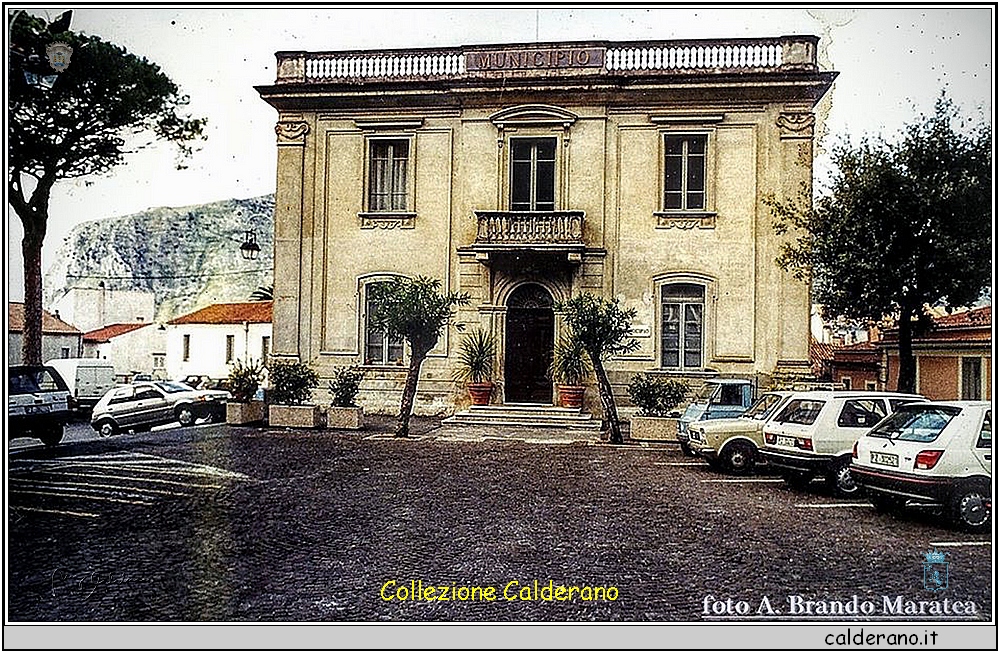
(529, 337)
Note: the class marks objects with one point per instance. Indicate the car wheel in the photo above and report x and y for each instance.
(797, 480)
(841, 481)
(887, 505)
(185, 416)
(739, 458)
(52, 436)
(971, 509)
(106, 428)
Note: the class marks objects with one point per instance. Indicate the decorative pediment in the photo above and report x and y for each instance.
(533, 114)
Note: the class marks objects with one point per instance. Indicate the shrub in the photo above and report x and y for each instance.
(476, 356)
(655, 396)
(244, 379)
(291, 382)
(569, 362)
(344, 386)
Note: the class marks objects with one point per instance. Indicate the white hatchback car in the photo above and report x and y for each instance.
(814, 434)
(937, 453)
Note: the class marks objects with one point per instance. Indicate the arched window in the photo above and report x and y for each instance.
(380, 349)
(682, 326)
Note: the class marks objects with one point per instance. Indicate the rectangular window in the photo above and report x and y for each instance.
(533, 174)
(972, 379)
(265, 348)
(380, 349)
(230, 346)
(846, 382)
(186, 354)
(388, 171)
(869, 385)
(65, 352)
(159, 361)
(684, 172)
(682, 325)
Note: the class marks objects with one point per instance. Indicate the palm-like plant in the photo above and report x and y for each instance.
(476, 357)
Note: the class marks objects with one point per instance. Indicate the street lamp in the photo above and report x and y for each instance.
(250, 250)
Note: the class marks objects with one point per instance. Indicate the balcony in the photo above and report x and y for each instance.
(544, 229)
(622, 59)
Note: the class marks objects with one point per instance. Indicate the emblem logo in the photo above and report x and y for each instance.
(58, 54)
(935, 571)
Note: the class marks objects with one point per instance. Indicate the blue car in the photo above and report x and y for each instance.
(717, 399)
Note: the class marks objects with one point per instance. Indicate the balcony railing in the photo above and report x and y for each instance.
(529, 227)
(640, 58)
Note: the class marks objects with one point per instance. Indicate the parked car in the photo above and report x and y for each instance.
(937, 453)
(140, 406)
(717, 399)
(734, 444)
(815, 432)
(88, 379)
(38, 403)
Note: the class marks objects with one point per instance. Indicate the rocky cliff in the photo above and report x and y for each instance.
(188, 257)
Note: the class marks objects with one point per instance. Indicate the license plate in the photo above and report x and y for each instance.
(34, 410)
(887, 459)
(785, 441)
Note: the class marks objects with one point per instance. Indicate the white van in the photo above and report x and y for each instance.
(88, 378)
(815, 432)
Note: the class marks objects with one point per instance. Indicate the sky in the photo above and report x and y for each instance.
(893, 63)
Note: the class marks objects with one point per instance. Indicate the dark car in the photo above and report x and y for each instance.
(141, 406)
(38, 404)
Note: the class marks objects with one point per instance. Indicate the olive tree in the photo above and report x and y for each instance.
(603, 328)
(417, 311)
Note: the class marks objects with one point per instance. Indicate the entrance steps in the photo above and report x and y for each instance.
(525, 416)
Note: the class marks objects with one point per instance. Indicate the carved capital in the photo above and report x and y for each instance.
(796, 125)
(291, 131)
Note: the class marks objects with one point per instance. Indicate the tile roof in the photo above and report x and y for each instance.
(977, 317)
(105, 334)
(50, 323)
(255, 312)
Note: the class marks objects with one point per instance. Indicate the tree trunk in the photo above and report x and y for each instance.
(409, 392)
(607, 400)
(907, 381)
(31, 251)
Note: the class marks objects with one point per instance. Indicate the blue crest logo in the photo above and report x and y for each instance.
(59, 54)
(935, 571)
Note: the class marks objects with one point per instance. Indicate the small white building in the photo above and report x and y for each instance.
(59, 339)
(94, 308)
(139, 348)
(210, 340)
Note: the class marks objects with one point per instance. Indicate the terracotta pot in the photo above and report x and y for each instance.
(480, 393)
(570, 396)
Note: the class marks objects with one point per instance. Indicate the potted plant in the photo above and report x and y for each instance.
(344, 413)
(244, 380)
(291, 387)
(656, 398)
(476, 361)
(569, 369)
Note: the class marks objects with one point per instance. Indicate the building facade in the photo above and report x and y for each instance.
(208, 341)
(59, 339)
(527, 174)
(954, 356)
(133, 349)
(94, 308)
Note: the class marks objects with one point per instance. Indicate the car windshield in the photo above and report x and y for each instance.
(32, 381)
(915, 423)
(763, 407)
(173, 386)
(801, 411)
(706, 393)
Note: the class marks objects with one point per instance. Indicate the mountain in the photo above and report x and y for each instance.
(188, 257)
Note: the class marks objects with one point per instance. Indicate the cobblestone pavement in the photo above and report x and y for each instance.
(230, 524)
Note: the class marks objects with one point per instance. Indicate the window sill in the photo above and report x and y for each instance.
(685, 219)
(387, 219)
(693, 372)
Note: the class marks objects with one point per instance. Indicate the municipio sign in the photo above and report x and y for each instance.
(535, 58)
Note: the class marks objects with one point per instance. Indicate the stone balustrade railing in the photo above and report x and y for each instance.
(529, 227)
(779, 54)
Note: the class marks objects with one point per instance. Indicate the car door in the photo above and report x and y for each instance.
(152, 406)
(983, 449)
